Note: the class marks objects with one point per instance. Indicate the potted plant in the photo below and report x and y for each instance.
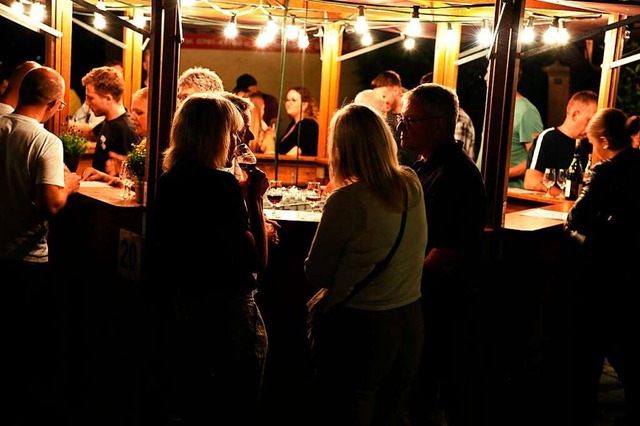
(137, 160)
(74, 145)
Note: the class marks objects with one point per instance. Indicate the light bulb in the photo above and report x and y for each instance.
(231, 30)
(361, 22)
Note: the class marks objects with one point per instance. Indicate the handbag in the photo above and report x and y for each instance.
(320, 318)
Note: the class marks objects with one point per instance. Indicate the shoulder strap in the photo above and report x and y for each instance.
(383, 263)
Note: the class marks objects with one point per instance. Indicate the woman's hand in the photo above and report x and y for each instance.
(257, 184)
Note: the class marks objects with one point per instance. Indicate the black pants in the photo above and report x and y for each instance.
(33, 344)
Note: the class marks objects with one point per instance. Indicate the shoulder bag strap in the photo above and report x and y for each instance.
(383, 263)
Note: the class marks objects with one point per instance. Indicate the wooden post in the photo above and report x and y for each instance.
(58, 54)
(330, 84)
(447, 49)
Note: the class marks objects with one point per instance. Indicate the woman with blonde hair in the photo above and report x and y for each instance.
(210, 239)
(382, 323)
(604, 220)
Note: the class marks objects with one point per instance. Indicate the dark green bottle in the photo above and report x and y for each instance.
(574, 176)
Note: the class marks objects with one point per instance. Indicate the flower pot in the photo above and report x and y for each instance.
(140, 188)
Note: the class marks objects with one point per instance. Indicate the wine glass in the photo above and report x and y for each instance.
(561, 180)
(126, 176)
(245, 157)
(312, 194)
(548, 180)
(274, 193)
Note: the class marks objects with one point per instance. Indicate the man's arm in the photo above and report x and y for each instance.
(52, 198)
(519, 169)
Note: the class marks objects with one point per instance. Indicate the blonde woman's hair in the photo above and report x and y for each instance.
(201, 131)
(362, 148)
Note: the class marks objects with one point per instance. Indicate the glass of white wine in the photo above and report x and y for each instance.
(126, 176)
(548, 180)
(561, 180)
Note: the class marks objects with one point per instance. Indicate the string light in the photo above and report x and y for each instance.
(292, 29)
(409, 43)
(37, 12)
(17, 7)
(551, 35)
(99, 21)
(413, 28)
(528, 35)
(231, 30)
(361, 22)
(366, 39)
(484, 35)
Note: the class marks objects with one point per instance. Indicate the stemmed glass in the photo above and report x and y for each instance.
(274, 193)
(245, 157)
(548, 180)
(561, 180)
(312, 194)
(126, 176)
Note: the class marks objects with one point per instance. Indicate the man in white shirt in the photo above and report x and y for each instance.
(35, 187)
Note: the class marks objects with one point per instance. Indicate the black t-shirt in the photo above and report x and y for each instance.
(308, 137)
(115, 135)
(554, 149)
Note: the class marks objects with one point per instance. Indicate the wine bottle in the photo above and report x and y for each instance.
(586, 176)
(574, 176)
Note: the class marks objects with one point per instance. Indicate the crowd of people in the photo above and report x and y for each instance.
(408, 205)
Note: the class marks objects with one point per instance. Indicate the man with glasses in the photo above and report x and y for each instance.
(35, 187)
(116, 134)
(454, 196)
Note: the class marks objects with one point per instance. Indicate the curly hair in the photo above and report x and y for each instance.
(105, 81)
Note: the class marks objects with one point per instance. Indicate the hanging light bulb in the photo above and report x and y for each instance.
(366, 39)
(528, 34)
(139, 21)
(17, 7)
(231, 30)
(292, 29)
(303, 40)
(99, 21)
(563, 34)
(449, 35)
(551, 35)
(361, 22)
(37, 12)
(263, 39)
(484, 35)
(413, 28)
(271, 28)
(409, 43)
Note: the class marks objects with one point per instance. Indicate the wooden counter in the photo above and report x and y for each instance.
(294, 170)
(530, 211)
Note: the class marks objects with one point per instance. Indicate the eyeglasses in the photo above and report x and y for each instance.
(406, 121)
(62, 105)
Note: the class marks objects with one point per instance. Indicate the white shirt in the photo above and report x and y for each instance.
(29, 155)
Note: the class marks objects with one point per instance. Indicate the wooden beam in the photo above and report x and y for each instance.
(58, 54)
(500, 105)
(447, 49)
(132, 60)
(330, 82)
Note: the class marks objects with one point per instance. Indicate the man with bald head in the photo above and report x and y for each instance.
(372, 99)
(9, 99)
(35, 187)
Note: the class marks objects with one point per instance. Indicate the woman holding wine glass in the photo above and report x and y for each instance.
(209, 237)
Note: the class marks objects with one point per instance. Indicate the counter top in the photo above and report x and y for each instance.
(538, 218)
(105, 193)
